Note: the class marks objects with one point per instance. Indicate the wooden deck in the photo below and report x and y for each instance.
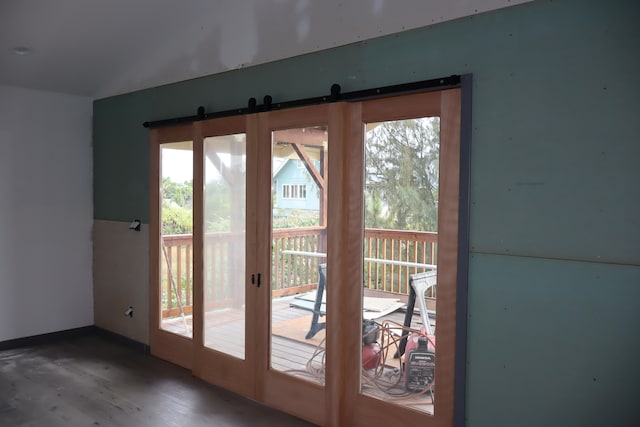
(293, 354)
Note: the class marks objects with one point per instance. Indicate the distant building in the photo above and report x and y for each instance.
(295, 189)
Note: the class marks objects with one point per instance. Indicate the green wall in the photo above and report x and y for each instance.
(555, 197)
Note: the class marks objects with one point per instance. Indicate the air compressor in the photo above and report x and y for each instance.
(419, 362)
(370, 346)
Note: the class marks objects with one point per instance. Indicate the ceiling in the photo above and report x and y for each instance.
(100, 48)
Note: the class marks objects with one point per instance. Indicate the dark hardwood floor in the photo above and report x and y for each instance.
(94, 380)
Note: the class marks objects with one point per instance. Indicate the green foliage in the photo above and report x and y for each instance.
(374, 211)
(296, 218)
(177, 200)
(402, 175)
(179, 193)
(177, 207)
(175, 219)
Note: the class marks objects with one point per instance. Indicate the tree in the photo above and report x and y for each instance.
(175, 219)
(177, 201)
(179, 193)
(177, 206)
(401, 190)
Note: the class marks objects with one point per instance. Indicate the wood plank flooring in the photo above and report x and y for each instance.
(93, 380)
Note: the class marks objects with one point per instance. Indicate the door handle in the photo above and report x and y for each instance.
(253, 279)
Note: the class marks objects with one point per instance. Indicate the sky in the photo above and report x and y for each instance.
(178, 166)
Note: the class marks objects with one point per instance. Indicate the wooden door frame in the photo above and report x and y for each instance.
(163, 344)
(298, 397)
(339, 402)
(232, 373)
(345, 246)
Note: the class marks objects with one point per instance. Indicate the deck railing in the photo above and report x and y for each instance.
(390, 257)
(176, 274)
(290, 273)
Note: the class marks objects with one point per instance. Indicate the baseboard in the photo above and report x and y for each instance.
(121, 339)
(74, 333)
(47, 338)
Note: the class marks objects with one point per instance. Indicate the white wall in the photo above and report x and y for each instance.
(46, 212)
(177, 40)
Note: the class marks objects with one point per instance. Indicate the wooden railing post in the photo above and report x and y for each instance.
(292, 273)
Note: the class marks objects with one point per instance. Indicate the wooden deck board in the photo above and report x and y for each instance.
(289, 355)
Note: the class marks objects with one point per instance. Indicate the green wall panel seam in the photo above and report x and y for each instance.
(557, 258)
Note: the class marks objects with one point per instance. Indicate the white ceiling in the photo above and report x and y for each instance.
(99, 48)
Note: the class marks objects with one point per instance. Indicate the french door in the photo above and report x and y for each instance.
(171, 306)
(225, 351)
(219, 290)
(411, 143)
(266, 293)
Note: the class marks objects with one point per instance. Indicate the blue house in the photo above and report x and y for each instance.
(295, 188)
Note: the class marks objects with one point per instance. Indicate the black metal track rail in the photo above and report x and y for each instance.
(334, 96)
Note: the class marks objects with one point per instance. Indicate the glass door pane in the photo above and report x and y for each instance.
(176, 246)
(298, 259)
(224, 243)
(400, 256)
